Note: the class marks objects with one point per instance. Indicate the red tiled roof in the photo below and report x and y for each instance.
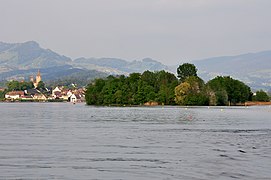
(13, 93)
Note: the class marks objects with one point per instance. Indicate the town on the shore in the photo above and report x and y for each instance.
(35, 91)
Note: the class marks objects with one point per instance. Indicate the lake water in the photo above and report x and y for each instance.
(66, 141)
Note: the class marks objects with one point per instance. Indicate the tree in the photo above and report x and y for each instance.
(2, 94)
(13, 86)
(19, 86)
(196, 84)
(118, 97)
(41, 86)
(198, 99)
(181, 91)
(94, 94)
(149, 77)
(261, 96)
(185, 70)
(190, 92)
(229, 90)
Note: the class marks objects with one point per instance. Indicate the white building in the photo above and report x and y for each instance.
(75, 98)
(14, 95)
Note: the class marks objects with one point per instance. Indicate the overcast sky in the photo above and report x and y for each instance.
(170, 31)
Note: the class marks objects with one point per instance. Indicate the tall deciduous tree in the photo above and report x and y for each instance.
(181, 92)
(190, 92)
(185, 70)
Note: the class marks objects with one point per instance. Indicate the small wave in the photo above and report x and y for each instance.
(125, 160)
(25, 166)
(217, 130)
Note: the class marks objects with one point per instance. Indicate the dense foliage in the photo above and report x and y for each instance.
(191, 92)
(133, 90)
(2, 94)
(41, 86)
(163, 87)
(19, 86)
(186, 70)
(228, 91)
(261, 96)
(218, 91)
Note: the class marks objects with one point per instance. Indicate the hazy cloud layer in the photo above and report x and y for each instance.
(170, 31)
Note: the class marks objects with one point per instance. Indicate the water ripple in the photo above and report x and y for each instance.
(64, 141)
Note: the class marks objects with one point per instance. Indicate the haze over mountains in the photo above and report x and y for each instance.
(19, 60)
(252, 68)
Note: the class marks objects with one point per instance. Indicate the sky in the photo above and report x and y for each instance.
(170, 31)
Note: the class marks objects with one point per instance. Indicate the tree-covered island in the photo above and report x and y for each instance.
(165, 88)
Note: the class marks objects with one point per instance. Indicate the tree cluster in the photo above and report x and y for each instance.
(165, 88)
(135, 89)
(228, 91)
(2, 94)
(19, 86)
(219, 91)
(261, 96)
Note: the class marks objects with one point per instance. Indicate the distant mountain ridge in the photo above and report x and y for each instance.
(252, 68)
(29, 55)
(244, 62)
(120, 66)
(19, 60)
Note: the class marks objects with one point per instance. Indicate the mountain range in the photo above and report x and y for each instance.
(20, 60)
(253, 68)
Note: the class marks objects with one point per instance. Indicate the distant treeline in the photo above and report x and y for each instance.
(166, 89)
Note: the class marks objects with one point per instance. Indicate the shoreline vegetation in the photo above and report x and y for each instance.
(159, 88)
(164, 88)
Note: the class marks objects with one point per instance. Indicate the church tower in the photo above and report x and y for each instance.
(38, 79)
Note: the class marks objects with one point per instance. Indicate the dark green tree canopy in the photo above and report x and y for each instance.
(229, 90)
(261, 96)
(41, 85)
(164, 88)
(135, 89)
(19, 86)
(185, 70)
